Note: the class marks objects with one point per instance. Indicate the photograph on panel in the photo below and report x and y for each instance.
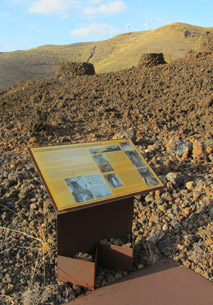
(104, 149)
(113, 180)
(101, 191)
(79, 189)
(102, 163)
(94, 179)
(135, 158)
(148, 177)
(126, 146)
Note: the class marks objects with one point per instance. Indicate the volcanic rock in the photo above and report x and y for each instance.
(206, 44)
(207, 102)
(175, 178)
(165, 246)
(179, 147)
(74, 69)
(151, 60)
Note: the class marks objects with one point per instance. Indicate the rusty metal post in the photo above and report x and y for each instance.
(82, 230)
(112, 257)
(111, 174)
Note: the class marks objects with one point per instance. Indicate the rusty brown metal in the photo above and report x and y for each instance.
(82, 230)
(111, 257)
(83, 273)
(159, 284)
(76, 271)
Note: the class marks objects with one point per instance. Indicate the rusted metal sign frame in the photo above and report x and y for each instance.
(103, 200)
(82, 230)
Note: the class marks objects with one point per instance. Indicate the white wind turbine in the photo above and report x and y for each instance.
(110, 31)
(127, 27)
(146, 25)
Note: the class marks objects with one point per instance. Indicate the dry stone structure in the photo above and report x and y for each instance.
(151, 60)
(73, 69)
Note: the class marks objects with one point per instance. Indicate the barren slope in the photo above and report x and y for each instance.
(121, 52)
(166, 110)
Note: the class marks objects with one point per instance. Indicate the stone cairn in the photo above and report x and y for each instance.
(151, 60)
(74, 69)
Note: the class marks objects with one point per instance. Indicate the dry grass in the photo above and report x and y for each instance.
(8, 299)
(35, 295)
(43, 244)
(152, 254)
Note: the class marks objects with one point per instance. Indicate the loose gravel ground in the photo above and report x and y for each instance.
(166, 110)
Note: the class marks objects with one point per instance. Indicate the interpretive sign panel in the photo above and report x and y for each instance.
(84, 174)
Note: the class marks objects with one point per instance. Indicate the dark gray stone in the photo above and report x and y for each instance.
(165, 246)
(179, 147)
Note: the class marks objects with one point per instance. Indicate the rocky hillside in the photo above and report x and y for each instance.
(166, 109)
(121, 52)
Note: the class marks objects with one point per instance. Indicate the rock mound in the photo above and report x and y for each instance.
(73, 69)
(207, 42)
(151, 60)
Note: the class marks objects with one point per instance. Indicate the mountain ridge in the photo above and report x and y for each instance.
(120, 52)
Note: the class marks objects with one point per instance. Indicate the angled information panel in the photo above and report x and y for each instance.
(84, 174)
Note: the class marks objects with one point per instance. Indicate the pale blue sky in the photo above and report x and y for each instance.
(25, 24)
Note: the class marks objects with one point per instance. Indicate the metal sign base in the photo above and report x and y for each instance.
(82, 230)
